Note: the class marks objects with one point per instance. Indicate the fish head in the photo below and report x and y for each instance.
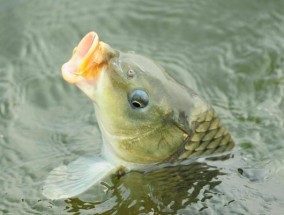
(133, 97)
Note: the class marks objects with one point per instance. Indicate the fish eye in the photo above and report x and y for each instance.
(138, 99)
(130, 74)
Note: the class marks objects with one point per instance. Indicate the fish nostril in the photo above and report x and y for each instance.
(130, 74)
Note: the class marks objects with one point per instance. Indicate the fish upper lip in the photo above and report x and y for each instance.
(87, 48)
(87, 45)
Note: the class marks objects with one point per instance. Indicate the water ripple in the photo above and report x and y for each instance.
(231, 53)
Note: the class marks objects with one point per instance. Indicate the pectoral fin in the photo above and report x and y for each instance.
(75, 178)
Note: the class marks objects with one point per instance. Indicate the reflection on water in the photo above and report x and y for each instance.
(162, 191)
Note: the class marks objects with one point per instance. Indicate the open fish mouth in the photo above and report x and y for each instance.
(87, 59)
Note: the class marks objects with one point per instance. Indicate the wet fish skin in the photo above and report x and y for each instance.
(177, 123)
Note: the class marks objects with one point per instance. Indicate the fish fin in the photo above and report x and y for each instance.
(75, 178)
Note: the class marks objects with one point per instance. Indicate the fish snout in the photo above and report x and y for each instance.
(87, 59)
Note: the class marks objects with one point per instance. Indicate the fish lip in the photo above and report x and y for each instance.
(88, 44)
(87, 59)
(87, 47)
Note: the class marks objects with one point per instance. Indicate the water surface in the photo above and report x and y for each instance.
(231, 52)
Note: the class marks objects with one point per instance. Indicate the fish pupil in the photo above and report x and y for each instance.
(136, 104)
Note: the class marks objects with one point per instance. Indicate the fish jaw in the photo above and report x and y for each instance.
(87, 61)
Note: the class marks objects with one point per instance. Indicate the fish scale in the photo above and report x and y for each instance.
(208, 136)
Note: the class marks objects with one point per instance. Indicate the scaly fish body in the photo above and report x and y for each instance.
(145, 116)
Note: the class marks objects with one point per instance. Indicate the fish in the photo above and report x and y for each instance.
(145, 116)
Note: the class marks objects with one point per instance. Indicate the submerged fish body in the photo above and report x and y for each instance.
(145, 117)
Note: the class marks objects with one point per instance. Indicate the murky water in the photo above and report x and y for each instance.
(231, 52)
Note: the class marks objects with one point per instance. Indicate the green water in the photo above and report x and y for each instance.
(231, 52)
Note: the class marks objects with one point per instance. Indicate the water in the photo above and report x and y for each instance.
(231, 52)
